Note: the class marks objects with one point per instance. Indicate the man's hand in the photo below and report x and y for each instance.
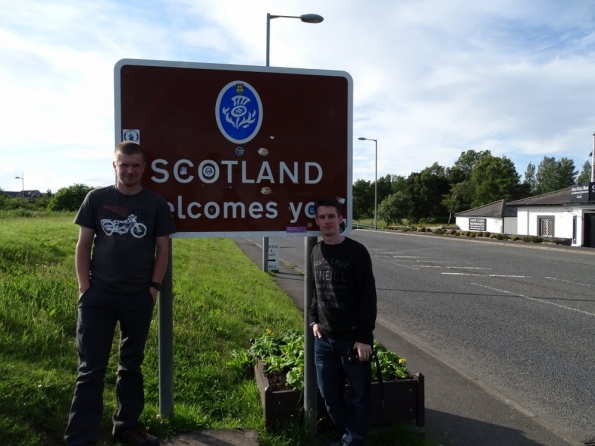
(83, 289)
(316, 331)
(364, 351)
(154, 292)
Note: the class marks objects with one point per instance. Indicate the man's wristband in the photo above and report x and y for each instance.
(311, 324)
(156, 285)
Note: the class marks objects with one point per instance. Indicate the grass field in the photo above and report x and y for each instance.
(221, 300)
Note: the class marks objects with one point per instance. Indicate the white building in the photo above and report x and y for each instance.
(497, 217)
(564, 214)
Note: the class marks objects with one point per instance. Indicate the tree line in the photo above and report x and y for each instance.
(432, 195)
(476, 178)
(65, 199)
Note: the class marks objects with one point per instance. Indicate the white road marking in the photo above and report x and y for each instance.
(535, 299)
(569, 281)
(399, 264)
(482, 275)
(451, 267)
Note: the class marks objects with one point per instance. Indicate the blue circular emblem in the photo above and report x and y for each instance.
(238, 112)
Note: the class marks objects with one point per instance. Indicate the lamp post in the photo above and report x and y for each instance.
(375, 181)
(306, 18)
(310, 402)
(22, 178)
(593, 160)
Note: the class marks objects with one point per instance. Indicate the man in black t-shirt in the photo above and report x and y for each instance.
(342, 317)
(121, 258)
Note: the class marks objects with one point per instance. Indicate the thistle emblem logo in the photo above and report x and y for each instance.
(238, 112)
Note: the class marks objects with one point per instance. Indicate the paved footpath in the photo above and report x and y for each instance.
(460, 411)
(217, 437)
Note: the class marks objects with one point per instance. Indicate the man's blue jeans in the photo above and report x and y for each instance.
(351, 418)
(98, 312)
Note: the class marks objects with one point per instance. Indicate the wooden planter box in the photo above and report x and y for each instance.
(404, 401)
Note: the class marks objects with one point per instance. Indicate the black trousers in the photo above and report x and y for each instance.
(98, 313)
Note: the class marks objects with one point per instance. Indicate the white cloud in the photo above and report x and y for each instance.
(432, 78)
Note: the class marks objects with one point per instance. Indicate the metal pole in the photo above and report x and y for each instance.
(265, 240)
(593, 158)
(376, 188)
(265, 254)
(166, 341)
(310, 386)
(268, 35)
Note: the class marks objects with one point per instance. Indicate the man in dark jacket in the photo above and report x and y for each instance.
(342, 317)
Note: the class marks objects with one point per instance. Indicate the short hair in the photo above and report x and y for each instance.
(129, 148)
(328, 201)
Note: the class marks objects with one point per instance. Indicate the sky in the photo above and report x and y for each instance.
(431, 78)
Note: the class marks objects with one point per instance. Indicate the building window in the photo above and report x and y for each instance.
(546, 226)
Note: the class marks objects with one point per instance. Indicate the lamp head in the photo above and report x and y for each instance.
(311, 18)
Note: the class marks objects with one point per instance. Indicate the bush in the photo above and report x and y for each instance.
(69, 198)
(453, 232)
(487, 234)
(536, 239)
(526, 238)
(472, 234)
(562, 241)
(514, 238)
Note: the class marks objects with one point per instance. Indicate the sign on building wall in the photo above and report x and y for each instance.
(477, 224)
(239, 150)
(580, 193)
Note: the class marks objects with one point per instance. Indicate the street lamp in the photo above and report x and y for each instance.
(22, 178)
(375, 181)
(306, 18)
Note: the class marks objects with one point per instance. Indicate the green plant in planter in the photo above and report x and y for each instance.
(391, 366)
(285, 354)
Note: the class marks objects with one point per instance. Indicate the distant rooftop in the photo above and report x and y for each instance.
(497, 209)
(22, 193)
(556, 198)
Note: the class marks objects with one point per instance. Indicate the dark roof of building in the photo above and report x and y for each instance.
(497, 209)
(556, 198)
(22, 194)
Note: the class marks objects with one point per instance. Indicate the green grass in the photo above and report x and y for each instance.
(221, 300)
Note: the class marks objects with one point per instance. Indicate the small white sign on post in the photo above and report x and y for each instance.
(274, 258)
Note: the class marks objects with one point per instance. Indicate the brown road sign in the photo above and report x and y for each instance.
(239, 150)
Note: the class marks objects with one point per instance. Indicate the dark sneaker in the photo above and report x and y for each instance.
(137, 436)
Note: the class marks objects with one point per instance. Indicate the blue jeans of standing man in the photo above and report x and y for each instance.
(98, 312)
(351, 418)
